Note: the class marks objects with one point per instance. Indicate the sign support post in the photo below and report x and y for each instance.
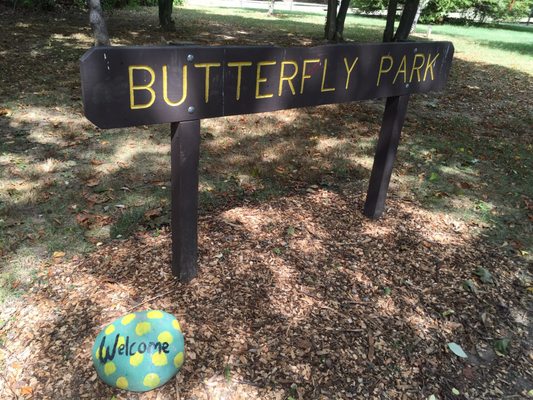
(184, 160)
(387, 147)
(131, 86)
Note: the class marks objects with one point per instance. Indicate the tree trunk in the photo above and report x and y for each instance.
(271, 7)
(421, 6)
(341, 17)
(331, 20)
(406, 20)
(388, 33)
(165, 14)
(96, 18)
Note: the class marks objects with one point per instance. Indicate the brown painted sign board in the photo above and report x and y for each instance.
(128, 86)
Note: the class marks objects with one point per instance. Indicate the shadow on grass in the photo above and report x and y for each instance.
(520, 48)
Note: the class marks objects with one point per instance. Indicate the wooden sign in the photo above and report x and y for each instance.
(127, 86)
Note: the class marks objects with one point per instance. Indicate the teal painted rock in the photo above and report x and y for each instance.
(139, 351)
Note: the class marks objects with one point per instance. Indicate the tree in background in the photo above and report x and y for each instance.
(334, 29)
(437, 10)
(409, 12)
(421, 6)
(271, 4)
(165, 14)
(98, 25)
(96, 7)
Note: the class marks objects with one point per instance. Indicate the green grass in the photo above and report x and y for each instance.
(494, 46)
(309, 25)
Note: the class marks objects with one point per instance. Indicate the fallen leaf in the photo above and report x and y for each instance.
(156, 212)
(484, 275)
(58, 254)
(82, 218)
(469, 374)
(457, 350)
(93, 182)
(96, 198)
(447, 313)
(26, 390)
(470, 286)
(501, 346)
(464, 185)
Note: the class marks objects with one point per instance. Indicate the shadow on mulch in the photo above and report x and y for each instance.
(297, 296)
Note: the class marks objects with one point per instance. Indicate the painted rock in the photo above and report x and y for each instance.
(139, 351)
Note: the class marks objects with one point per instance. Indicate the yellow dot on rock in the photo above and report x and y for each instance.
(127, 319)
(159, 359)
(110, 329)
(151, 380)
(176, 325)
(165, 336)
(121, 341)
(109, 368)
(97, 354)
(122, 383)
(136, 359)
(143, 328)
(178, 360)
(154, 314)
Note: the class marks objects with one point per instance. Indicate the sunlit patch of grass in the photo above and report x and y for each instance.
(18, 272)
(49, 166)
(128, 222)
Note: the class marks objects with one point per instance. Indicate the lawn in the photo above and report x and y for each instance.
(299, 296)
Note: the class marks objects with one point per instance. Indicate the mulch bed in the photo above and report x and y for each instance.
(298, 297)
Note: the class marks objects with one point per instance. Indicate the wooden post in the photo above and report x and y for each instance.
(184, 155)
(389, 137)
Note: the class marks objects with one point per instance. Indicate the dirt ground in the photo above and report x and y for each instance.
(299, 296)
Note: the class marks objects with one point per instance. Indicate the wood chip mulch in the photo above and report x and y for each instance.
(299, 297)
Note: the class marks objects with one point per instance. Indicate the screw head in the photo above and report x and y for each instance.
(190, 57)
(406, 85)
(415, 50)
(190, 109)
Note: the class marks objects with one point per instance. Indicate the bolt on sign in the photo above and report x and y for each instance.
(128, 86)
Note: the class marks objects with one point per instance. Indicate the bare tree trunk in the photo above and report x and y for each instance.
(331, 20)
(98, 25)
(421, 6)
(271, 7)
(406, 20)
(341, 17)
(165, 14)
(388, 33)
